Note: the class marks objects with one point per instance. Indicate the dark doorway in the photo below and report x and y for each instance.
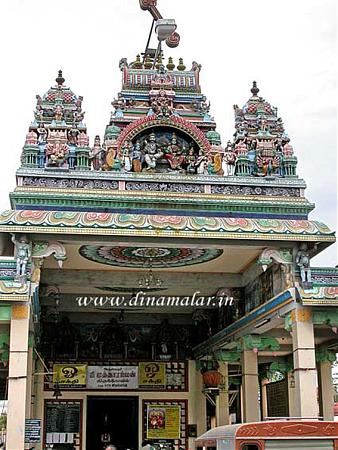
(114, 417)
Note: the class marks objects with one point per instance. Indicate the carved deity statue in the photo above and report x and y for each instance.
(42, 138)
(97, 154)
(162, 104)
(78, 116)
(214, 164)
(191, 160)
(229, 161)
(113, 161)
(201, 163)
(73, 135)
(174, 154)
(58, 113)
(267, 160)
(152, 153)
(22, 255)
(137, 157)
(126, 156)
(303, 262)
(79, 103)
(56, 153)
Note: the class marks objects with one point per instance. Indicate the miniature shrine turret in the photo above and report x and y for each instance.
(261, 145)
(57, 137)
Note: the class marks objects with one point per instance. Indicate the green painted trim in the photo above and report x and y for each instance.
(112, 202)
(5, 313)
(252, 342)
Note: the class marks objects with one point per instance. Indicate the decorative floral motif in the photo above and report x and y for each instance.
(143, 257)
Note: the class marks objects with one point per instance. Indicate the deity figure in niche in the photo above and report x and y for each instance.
(191, 160)
(22, 255)
(79, 103)
(162, 104)
(58, 113)
(174, 154)
(152, 153)
(137, 157)
(303, 262)
(56, 153)
(113, 161)
(214, 164)
(201, 163)
(97, 154)
(251, 146)
(42, 138)
(72, 136)
(126, 156)
(268, 162)
(229, 161)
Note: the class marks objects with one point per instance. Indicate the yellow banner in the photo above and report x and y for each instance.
(163, 422)
(70, 374)
(151, 374)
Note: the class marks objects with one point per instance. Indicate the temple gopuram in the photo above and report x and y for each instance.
(154, 281)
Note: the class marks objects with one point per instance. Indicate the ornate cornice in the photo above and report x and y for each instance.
(164, 226)
(190, 199)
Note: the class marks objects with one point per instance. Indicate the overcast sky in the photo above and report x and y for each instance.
(288, 46)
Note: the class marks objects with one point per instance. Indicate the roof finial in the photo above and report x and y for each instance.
(254, 89)
(60, 80)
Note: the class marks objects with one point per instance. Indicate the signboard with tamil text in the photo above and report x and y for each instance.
(152, 374)
(112, 377)
(33, 431)
(70, 374)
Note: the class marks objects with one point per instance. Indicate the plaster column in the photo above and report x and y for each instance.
(17, 377)
(304, 361)
(264, 398)
(326, 390)
(292, 394)
(222, 400)
(250, 385)
(198, 401)
(30, 382)
(38, 410)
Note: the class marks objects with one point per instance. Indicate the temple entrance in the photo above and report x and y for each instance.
(112, 420)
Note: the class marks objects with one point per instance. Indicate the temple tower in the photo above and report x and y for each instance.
(154, 282)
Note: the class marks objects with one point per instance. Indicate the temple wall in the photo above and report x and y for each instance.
(195, 398)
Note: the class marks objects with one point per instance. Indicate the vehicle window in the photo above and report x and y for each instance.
(250, 447)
